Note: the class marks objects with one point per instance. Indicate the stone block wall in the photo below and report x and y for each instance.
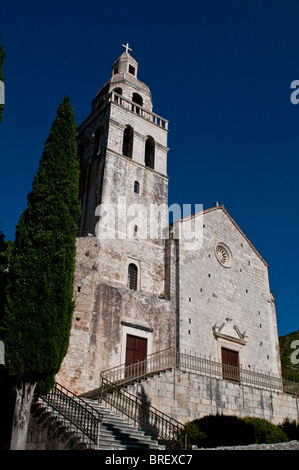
(104, 314)
(187, 396)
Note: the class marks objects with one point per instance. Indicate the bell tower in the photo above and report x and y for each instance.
(122, 146)
(124, 184)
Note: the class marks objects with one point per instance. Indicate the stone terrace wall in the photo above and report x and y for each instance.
(187, 396)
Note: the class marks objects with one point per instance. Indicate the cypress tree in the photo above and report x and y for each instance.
(39, 300)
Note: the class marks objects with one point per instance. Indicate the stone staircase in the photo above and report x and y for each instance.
(115, 432)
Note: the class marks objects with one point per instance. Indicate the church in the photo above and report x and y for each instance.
(195, 288)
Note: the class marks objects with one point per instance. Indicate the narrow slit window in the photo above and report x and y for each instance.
(150, 153)
(132, 276)
(136, 187)
(128, 142)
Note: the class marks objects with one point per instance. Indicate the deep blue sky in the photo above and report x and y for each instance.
(220, 71)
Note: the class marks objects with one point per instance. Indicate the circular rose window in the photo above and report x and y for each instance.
(223, 254)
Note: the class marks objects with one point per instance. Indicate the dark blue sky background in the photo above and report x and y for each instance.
(220, 71)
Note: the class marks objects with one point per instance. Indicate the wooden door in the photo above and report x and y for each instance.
(136, 353)
(230, 365)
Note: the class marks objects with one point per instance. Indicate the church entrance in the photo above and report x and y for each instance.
(136, 353)
(230, 365)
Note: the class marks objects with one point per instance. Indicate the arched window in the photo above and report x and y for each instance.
(128, 142)
(136, 98)
(119, 91)
(150, 152)
(132, 276)
(136, 187)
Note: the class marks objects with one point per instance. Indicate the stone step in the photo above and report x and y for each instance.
(114, 425)
(115, 433)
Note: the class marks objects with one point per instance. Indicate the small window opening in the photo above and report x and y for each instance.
(135, 231)
(136, 187)
(136, 98)
(132, 70)
(128, 142)
(150, 152)
(132, 276)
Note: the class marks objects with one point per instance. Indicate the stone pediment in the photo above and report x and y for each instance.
(205, 213)
(229, 331)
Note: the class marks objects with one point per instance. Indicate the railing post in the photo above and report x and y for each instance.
(98, 436)
(100, 390)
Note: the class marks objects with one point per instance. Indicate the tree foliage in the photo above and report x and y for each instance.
(39, 300)
(288, 346)
(221, 430)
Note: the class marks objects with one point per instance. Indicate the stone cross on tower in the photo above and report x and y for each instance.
(127, 47)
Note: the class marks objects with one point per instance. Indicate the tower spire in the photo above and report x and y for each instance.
(127, 47)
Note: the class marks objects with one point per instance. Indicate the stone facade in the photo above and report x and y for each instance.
(227, 305)
(208, 295)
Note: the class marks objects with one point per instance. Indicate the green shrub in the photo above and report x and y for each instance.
(194, 435)
(221, 430)
(291, 429)
(264, 432)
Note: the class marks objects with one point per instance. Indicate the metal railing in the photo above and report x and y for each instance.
(126, 374)
(291, 387)
(234, 374)
(171, 358)
(218, 370)
(157, 424)
(75, 410)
